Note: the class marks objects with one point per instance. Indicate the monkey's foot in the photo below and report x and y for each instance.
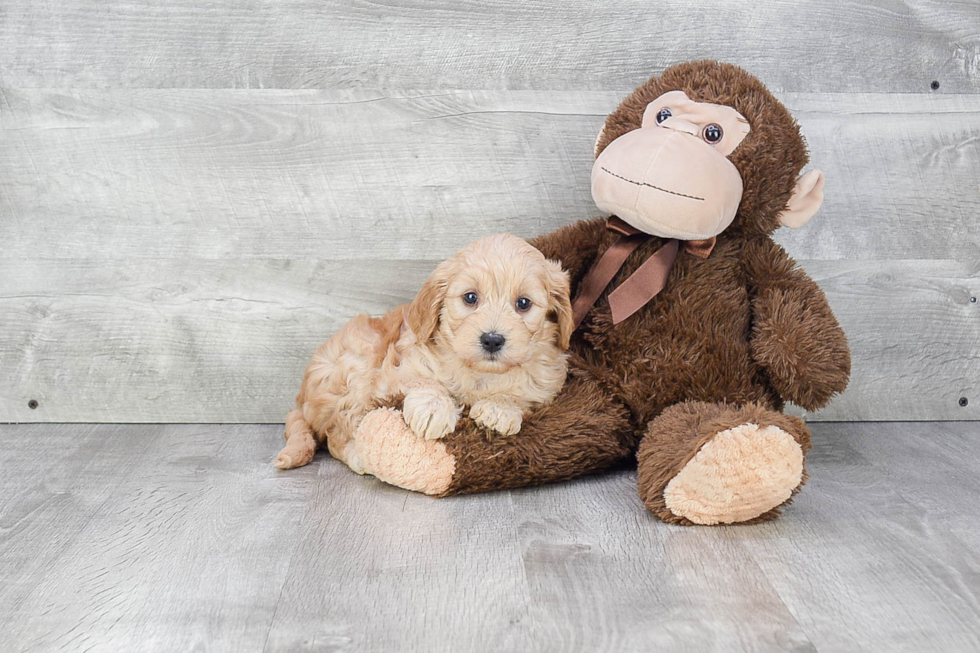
(740, 474)
(697, 467)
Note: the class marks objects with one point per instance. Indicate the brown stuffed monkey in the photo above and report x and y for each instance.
(695, 326)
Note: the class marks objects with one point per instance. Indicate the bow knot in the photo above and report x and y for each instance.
(641, 286)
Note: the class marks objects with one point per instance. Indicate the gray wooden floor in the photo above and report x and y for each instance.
(183, 537)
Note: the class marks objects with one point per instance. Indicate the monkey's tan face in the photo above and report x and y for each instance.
(672, 177)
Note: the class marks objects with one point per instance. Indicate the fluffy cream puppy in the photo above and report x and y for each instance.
(488, 330)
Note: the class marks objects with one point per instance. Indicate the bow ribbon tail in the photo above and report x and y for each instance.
(602, 274)
(644, 284)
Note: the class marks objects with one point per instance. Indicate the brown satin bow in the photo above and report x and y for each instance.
(641, 286)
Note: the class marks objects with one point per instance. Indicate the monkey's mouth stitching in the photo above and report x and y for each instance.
(642, 183)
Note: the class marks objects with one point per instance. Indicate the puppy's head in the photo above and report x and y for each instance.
(496, 304)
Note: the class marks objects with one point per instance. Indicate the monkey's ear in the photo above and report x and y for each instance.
(805, 202)
(558, 297)
(423, 314)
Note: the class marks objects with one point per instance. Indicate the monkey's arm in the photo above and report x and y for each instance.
(583, 431)
(575, 246)
(795, 335)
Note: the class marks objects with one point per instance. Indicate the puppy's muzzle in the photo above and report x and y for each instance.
(492, 342)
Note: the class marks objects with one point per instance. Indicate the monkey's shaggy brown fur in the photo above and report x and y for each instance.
(727, 342)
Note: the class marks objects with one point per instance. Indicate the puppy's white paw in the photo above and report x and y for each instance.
(505, 419)
(431, 415)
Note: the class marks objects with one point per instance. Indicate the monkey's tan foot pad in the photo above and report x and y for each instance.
(388, 449)
(736, 476)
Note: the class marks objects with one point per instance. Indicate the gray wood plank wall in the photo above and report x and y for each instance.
(192, 196)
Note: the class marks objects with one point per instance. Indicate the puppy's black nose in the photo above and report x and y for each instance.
(492, 342)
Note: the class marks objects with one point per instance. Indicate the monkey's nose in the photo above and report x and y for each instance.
(681, 125)
(492, 342)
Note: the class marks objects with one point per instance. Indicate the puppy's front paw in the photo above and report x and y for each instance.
(503, 418)
(432, 415)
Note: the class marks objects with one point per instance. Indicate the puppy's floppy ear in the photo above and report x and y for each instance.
(423, 314)
(558, 291)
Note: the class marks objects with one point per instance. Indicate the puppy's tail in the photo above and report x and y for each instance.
(300, 443)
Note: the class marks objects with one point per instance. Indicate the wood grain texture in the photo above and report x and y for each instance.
(914, 332)
(184, 538)
(201, 340)
(604, 575)
(193, 196)
(445, 577)
(175, 256)
(42, 514)
(143, 538)
(179, 340)
(823, 46)
(855, 559)
(357, 174)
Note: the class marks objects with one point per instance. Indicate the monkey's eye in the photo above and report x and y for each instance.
(470, 298)
(523, 304)
(713, 133)
(663, 114)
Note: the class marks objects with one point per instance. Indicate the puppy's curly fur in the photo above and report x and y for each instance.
(488, 330)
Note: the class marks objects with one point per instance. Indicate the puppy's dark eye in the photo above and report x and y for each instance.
(663, 114)
(523, 304)
(470, 298)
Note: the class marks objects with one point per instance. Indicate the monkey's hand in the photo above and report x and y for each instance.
(795, 335)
